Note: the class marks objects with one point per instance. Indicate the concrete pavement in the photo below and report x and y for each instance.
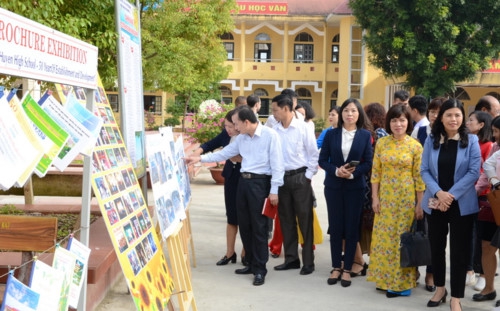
(219, 288)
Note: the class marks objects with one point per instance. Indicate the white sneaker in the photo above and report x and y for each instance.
(480, 284)
(470, 279)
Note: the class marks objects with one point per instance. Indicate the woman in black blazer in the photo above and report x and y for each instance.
(346, 157)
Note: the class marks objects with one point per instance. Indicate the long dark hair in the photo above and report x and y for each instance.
(363, 121)
(438, 127)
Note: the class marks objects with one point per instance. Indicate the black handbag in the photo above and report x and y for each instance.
(415, 249)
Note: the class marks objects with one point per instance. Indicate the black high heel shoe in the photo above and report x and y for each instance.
(225, 260)
(345, 283)
(333, 281)
(432, 304)
(360, 273)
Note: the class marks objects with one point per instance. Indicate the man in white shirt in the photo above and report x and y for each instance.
(418, 110)
(300, 156)
(261, 175)
(271, 121)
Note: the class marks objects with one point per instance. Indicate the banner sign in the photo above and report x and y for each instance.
(32, 50)
(494, 66)
(263, 8)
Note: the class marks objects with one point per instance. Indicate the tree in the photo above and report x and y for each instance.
(182, 50)
(91, 21)
(433, 44)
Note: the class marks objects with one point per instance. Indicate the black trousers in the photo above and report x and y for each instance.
(344, 215)
(296, 203)
(253, 225)
(460, 228)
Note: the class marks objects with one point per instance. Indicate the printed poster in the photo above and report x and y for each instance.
(64, 261)
(127, 217)
(82, 254)
(182, 173)
(52, 136)
(19, 297)
(169, 206)
(49, 283)
(20, 149)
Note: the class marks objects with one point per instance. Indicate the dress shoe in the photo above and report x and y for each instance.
(497, 304)
(307, 270)
(333, 281)
(480, 284)
(393, 294)
(481, 297)
(274, 255)
(432, 304)
(345, 283)
(430, 288)
(362, 272)
(246, 270)
(225, 260)
(288, 265)
(244, 261)
(258, 279)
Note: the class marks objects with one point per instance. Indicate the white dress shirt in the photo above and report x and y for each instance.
(271, 121)
(347, 138)
(419, 124)
(299, 147)
(261, 154)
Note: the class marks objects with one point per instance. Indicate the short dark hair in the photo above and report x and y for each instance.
(397, 111)
(402, 95)
(362, 122)
(309, 110)
(245, 113)
(240, 100)
(252, 100)
(229, 115)
(283, 101)
(438, 127)
(290, 92)
(418, 102)
(436, 103)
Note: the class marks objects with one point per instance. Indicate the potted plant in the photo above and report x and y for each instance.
(207, 123)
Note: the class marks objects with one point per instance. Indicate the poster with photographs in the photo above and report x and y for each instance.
(169, 206)
(19, 297)
(126, 214)
(180, 167)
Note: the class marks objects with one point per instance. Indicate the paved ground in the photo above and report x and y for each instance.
(219, 288)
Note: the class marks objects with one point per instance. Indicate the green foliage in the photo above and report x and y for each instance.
(319, 125)
(9, 209)
(182, 50)
(434, 44)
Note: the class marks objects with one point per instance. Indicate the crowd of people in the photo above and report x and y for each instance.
(421, 161)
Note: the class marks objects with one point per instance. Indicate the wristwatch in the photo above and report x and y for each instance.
(495, 186)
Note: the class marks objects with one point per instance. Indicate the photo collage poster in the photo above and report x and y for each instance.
(125, 212)
(169, 205)
(180, 167)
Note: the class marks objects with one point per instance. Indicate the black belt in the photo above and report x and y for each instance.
(254, 176)
(293, 172)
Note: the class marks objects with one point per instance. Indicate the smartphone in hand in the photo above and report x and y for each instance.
(353, 164)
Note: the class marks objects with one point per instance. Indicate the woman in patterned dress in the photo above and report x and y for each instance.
(396, 186)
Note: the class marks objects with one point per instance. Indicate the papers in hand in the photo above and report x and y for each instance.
(268, 209)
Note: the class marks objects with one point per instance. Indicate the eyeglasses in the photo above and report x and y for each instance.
(433, 112)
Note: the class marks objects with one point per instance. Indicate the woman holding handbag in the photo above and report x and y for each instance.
(396, 186)
(450, 166)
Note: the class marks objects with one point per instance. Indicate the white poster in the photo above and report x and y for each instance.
(48, 282)
(31, 50)
(82, 254)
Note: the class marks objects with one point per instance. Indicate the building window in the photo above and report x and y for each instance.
(228, 42)
(303, 52)
(265, 102)
(335, 49)
(226, 95)
(153, 104)
(113, 101)
(333, 98)
(262, 48)
(304, 95)
(356, 64)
